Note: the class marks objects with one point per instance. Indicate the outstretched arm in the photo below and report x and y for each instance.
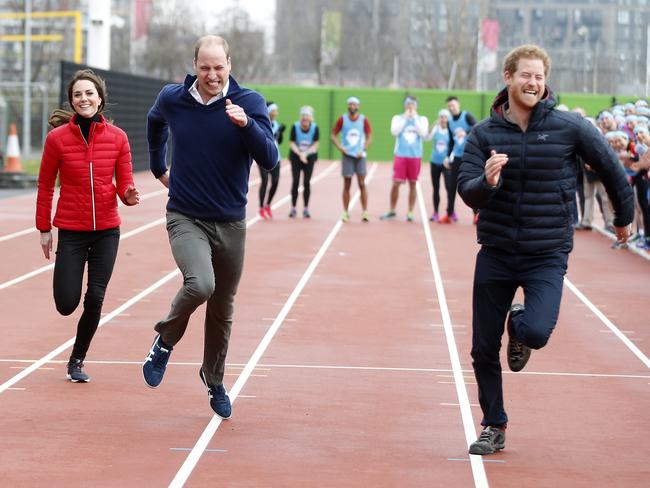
(593, 147)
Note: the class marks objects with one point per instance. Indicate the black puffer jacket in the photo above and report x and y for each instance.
(529, 212)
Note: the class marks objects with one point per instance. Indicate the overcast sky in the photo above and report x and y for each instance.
(262, 11)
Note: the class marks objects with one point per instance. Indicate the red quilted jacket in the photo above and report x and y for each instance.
(87, 198)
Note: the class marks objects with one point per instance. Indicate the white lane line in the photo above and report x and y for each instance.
(17, 234)
(146, 196)
(630, 247)
(458, 404)
(201, 444)
(22, 367)
(251, 375)
(23, 232)
(484, 460)
(269, 367)
(51, 355)
(26, 276)
(148, 226)
(478, 469)
(48, 267)
(617, 332)
(454, 382)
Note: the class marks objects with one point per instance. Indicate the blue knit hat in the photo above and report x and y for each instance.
(410, 99)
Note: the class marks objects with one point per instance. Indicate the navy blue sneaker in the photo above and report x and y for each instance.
(75, 373)
(518, 353)
(219, 399)
(155, 363)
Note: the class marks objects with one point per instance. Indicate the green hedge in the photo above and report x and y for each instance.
(380, 104)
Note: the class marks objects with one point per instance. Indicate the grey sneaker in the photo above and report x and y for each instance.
(491, 440)
(518, 353)
(75, 372)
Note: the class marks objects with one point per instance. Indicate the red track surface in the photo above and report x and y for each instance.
(349, 379)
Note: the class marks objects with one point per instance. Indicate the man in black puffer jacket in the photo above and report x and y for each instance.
(519, 170)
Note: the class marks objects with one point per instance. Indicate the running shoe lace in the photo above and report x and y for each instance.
(485, 435)
(152, 353)
(517, 350)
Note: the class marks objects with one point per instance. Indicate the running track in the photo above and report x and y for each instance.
(349, 361)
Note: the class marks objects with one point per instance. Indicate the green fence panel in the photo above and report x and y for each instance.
(591, 103)
(381, 104)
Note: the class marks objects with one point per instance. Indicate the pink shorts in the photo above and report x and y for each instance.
(406, 169)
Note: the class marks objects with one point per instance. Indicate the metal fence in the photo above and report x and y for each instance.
(42, 101)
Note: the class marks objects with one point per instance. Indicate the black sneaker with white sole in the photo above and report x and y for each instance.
(219, 399)
(491, 440)
(518, 354)
(75, 371)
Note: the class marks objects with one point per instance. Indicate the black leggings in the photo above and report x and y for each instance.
(451, 180)
(275, 178)
(296, 167)
(74, 250)
(436, 171)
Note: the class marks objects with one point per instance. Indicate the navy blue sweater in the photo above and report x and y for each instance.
(211, 156)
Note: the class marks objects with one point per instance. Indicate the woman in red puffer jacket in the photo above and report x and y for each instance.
(86, 152)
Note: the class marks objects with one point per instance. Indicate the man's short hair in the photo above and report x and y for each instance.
(211, 40)
(527, 51)
(451, 98)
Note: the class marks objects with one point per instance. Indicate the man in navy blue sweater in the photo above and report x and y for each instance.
(218, 129)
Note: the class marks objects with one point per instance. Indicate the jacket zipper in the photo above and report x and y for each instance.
(92, 195)
(521, 185)
(92, 183)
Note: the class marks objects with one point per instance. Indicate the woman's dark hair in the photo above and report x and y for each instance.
(61, 116)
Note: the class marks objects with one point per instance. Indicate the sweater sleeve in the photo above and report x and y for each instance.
(422, 126)
(157, 135)
(46, 181)
(593, 147)
(258, 135)
(472, 186)
(397, 125)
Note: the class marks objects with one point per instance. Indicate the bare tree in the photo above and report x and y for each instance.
(450, 59)
(250, 61)
(172, 33)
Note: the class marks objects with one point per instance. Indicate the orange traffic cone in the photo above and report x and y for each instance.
(12, 159)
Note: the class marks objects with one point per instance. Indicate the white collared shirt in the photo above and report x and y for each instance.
(194, 91)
